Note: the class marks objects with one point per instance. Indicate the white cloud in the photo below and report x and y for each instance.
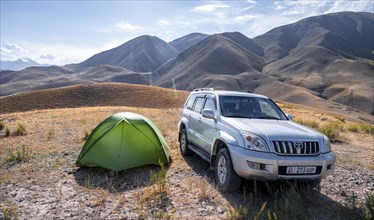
(11, 48)
(220, 15)
(209, 8)
(294, 12)
(245, 17)
(163, 23)
(351, 6)
(251, 1)
(48, 56)
(128, 27)
(279, 7)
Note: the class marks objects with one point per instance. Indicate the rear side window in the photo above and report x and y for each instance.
(199, 104)
(190, 101)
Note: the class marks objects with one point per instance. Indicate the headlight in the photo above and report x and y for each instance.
(254, 142)
(326, 144)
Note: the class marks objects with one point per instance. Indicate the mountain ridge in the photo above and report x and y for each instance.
(320, 58)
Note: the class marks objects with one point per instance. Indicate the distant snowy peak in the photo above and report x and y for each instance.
(19, 64)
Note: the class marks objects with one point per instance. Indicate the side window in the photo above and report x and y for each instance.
(190, 101)
(199, 104)
(210, 104)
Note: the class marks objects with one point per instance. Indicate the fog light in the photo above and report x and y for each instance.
(254, 165)
(329, 167)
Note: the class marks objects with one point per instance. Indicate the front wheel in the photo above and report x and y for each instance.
(226, 178)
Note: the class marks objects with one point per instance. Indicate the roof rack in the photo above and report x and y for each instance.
(204, 89)
(249, 91)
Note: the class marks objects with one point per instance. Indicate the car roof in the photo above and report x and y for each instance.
(230, 93)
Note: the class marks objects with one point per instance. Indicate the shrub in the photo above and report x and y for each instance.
(86, 133)
(369, 203)
(1, 125)
(361, 128)
(20, 155)
(159, 180)
(309, 123)
(20, 130)
(331, 130)
(7, 131)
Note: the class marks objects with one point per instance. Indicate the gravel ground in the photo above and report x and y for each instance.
(95, 194)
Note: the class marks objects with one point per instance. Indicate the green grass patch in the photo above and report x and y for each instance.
(331, 130)
(360, 128)
(20, 155)
(309, 123)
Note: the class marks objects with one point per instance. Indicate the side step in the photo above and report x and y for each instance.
(199, 152)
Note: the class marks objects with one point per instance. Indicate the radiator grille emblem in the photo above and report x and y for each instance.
(298, 146)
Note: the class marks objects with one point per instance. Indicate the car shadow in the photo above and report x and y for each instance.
(280, 200)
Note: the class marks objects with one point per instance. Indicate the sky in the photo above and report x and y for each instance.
(64, 32)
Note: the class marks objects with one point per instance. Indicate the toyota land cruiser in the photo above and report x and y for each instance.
(246, 135)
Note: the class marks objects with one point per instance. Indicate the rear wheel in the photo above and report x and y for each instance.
(226, 178)
(183, 143)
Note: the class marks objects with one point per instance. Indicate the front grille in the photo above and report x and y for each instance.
(296, 147)
(282, 171)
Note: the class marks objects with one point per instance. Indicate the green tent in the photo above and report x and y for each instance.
(123, 141)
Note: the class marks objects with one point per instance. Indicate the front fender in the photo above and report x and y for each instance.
(224, 137)
(182, 122)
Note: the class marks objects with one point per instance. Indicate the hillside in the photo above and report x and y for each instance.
(39, 178)
(329, 54)
(142, 54)
(94, 94)
(316, 62)
(17, 65)
(210, 60)
(39, 78)
(183, 43)
(325, 57)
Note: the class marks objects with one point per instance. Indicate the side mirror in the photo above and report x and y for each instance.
(208, 113)
(289, 116)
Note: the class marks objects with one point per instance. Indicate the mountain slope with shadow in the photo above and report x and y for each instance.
(142, 54)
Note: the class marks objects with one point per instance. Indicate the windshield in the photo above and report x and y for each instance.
(250, 107)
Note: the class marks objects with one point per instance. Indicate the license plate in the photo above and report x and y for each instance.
(297, 170)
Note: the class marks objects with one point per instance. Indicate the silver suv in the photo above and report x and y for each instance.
(242, 134)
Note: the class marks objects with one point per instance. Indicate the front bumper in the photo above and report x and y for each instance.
(272, 166)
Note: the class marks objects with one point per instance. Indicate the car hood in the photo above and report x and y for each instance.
(275, 129)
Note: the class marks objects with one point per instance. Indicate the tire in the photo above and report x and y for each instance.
(226, 178)
(183, 143)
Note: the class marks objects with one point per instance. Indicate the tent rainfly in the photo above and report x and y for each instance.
(123, 141)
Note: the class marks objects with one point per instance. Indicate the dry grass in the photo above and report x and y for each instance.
(100, 94)
(54, 138)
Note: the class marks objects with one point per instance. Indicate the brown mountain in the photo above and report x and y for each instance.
(327, 56)
(38, 78)
(183, 43)
(142, 54)
(208, 62)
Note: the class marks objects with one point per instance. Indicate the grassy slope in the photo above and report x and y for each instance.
(54, 139)
(100, 94)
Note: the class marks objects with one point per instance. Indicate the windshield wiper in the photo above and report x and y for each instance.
(267, 117)
(235, 116)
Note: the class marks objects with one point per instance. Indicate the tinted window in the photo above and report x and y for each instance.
(210, 104)
(190, 101)
(250, 107)
(199, 104)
